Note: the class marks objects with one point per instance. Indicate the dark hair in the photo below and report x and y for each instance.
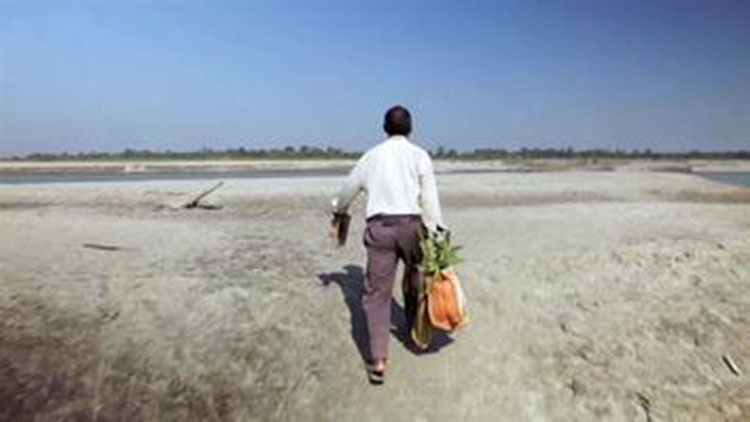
(397, 121)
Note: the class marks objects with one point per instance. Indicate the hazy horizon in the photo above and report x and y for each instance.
(466, 150)
(83, 76)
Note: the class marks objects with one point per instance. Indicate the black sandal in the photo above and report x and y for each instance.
(376, 377)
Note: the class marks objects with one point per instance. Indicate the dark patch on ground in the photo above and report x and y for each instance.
(476, 200)
(47, 363)
(22, 206)
(53, 367)
(734, 196)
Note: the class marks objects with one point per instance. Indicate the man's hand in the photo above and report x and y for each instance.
(340, 227)
(441, 233)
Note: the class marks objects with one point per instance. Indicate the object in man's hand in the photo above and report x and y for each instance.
(340, 226)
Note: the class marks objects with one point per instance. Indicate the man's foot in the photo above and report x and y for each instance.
(376, 372)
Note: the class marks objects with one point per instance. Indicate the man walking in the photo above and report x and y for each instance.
(402, 196)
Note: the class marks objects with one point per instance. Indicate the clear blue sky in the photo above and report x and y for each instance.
(106, 75)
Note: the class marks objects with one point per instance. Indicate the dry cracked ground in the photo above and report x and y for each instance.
(594, 296)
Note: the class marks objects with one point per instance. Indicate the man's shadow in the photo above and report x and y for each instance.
(352, 284)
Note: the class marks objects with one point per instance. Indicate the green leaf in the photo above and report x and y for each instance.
(438, 254)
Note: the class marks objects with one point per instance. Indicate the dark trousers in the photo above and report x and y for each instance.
(389, 238)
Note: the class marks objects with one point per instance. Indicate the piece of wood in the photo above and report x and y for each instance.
(645, 405)
(731, 365)
(195, 202)
(101, 247)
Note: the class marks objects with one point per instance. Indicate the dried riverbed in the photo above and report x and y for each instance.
(595, 296)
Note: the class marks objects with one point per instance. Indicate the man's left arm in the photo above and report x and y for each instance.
(430, 202)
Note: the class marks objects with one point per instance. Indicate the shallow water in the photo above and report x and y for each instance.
(85, 177)
(77, 177)
(739, 178)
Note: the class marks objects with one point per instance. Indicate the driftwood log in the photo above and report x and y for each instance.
(195, 201)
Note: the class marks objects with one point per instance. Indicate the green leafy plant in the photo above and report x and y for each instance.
(437, 254)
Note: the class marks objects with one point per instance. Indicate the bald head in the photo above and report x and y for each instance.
(397, 121)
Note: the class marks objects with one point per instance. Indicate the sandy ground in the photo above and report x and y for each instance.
(594, 296)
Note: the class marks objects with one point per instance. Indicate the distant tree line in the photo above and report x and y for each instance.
(241, 153)
(551, 153)
(311, 152)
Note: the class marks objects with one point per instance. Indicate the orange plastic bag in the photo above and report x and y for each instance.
(446, 302)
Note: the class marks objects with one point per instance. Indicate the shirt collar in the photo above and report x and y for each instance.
(397, 138)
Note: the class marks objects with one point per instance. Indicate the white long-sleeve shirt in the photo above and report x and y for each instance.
(398, 179)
